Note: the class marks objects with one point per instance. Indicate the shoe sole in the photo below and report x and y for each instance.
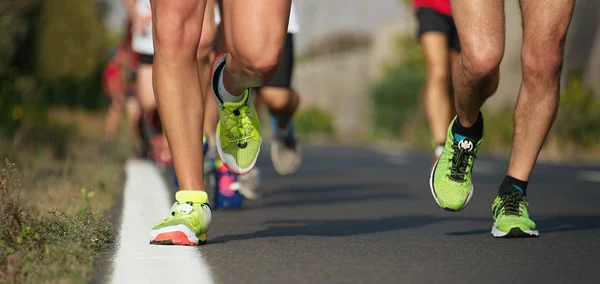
(275, 146)
(234, 169)
(435, 197)
(176, 235)
(237, 171)
(514, 233)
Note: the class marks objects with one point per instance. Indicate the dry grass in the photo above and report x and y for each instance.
(54, 193)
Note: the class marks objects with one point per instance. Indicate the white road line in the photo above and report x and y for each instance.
(593, 176)
(145, 202)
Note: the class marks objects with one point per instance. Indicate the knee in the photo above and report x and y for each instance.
(541, 61)
(482, 62)
(438, 73)
(177, 36)
(259, 60)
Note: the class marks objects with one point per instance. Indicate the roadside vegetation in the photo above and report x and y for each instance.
(55, 185)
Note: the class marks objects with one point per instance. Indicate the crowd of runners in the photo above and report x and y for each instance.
(193, 74)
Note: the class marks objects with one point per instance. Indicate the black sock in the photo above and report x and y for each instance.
(474, 132)
(511, 184)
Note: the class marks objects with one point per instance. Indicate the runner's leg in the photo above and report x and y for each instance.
(545, 25)
(205, 57)
(177, 26)
(480, 25)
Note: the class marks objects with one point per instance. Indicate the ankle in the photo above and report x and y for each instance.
(511, 184)
(474, 132)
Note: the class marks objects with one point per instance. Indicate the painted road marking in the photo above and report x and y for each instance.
(145, 202)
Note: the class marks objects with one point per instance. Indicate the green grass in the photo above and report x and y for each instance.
(54, 196)
(314, 122)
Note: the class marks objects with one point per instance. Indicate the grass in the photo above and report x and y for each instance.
(55, 189)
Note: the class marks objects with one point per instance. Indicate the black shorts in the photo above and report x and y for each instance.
(432, 21)
(146, 58)
(283, 76)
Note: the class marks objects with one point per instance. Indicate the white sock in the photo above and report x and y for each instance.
(224, 94)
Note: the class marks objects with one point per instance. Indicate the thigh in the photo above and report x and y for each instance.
(255, 27)
(480, 26)
(177, 25)
(545, 24)
(209, 30)
(435, 51)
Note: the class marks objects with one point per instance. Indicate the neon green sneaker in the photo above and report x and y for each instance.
(238, 131)
(450, 179)
(511, 216)
(188, 222)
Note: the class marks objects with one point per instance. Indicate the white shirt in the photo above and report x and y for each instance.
(142, 42)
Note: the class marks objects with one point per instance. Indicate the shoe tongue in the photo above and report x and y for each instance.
(196, 196)
(464, 142)
(238, 103)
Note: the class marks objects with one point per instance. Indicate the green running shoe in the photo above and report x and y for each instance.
(450, 179)
(511, 216)
(188, 222)
(238, 131)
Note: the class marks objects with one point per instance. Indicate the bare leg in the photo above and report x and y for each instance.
(475, 75)
(480, 25)
(255, 46)
(113, 118)
(282, 103)
(438, 105)
(134, 114)
(144, 89)
(177, 26)
(545, 25)
(205, 55)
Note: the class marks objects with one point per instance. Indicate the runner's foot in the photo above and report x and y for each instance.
(188, 222)
(450, 179)
(238, 131)
(511, 216)
(286, 152)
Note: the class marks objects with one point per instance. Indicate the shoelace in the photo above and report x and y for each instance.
(459, 162)
(243, 124)
(511, 203)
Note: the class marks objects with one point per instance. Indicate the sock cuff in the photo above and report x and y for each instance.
(510, 184)
(197, 196)
(223, 93)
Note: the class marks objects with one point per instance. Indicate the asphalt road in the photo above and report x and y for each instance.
(360, 215)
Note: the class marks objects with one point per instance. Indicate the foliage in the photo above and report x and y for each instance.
(579, 114)
(314, 121)
(397, 95)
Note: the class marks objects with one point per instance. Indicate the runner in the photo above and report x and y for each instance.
(142, 44)
(118, 78)
(282, 101)
(476, 74)
(255, 47)
(439, 39)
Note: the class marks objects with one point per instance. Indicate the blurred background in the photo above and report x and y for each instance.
(359, 73)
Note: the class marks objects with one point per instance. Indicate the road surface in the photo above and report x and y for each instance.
(360, 215)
